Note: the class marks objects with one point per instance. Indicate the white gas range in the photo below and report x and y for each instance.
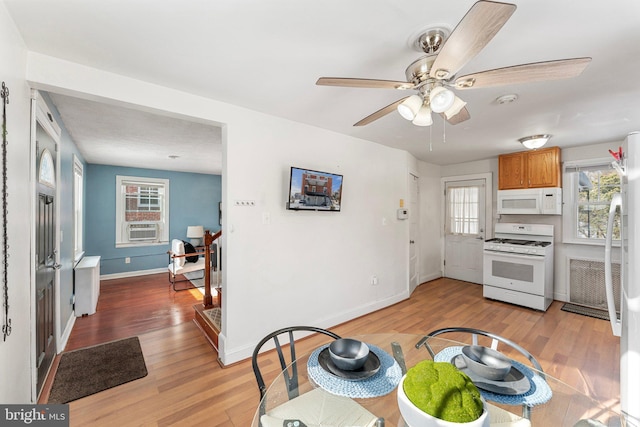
(518, 265)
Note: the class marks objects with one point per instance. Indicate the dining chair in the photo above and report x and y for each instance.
(495, 340)
(288, 365)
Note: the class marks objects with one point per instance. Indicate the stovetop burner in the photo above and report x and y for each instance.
(519, 242)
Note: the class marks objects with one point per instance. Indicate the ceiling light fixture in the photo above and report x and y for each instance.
(534, 141)
(423, 118)
(458, 104)
(417, 108)
(410, 107)
(441, 99)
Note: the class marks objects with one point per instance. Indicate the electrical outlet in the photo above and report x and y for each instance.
(374, 280)
(127, 260)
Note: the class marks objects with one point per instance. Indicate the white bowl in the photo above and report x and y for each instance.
(416, 417)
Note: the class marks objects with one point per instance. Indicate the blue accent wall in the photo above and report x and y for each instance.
(193, 200)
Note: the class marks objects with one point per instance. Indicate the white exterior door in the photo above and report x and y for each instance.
(464, 229)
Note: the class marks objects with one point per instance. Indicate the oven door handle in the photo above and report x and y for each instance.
(513, 255)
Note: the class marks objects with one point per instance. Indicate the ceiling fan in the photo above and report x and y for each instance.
(432, 75)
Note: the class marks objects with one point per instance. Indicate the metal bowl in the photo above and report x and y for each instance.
(486, 362)
(348, 354)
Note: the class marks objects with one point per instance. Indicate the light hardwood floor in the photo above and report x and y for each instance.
(187, 387)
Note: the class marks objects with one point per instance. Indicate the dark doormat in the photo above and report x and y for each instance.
(586, 311)
(90, 370)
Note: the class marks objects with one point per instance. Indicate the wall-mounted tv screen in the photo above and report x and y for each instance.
(311, 190)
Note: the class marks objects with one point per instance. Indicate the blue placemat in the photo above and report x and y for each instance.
(383, 382)
(539, 393)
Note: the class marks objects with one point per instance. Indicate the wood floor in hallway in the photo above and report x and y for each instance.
(187, 387)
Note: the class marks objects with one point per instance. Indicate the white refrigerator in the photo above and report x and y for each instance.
(627, 326)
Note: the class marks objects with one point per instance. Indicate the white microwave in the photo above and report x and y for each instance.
(530, 201)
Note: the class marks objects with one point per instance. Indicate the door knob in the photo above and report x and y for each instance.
(411, 241)
(54, 266)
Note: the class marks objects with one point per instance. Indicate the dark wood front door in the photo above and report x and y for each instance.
(46, 265)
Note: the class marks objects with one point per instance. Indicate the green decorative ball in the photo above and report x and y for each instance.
(441, 390)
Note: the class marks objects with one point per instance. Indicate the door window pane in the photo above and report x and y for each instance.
(464, 210)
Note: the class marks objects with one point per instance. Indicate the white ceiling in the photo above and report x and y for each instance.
(110, 135)
(267, 56)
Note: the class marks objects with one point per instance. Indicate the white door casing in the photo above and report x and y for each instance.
(414, 232)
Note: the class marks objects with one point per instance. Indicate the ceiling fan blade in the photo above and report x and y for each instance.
(462, 116)
(525, 73)
(380, 113)
(364, 83)
(471, 35)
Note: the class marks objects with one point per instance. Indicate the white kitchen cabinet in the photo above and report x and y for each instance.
(87, 284)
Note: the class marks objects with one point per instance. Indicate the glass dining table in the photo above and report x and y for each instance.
(329, 398)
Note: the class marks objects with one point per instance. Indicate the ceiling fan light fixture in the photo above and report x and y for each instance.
(534, 141)
(423, 118)
(458, 104)
(441, 99)
(410, 107)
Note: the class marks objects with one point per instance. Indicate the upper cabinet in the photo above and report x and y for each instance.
(530, 169)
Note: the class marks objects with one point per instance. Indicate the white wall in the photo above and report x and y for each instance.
(430, 222)
(295, 267)
(15, 352)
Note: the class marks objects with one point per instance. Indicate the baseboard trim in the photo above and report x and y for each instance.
(64, 338)
(429, 277)
(132, 273)
(229, 356)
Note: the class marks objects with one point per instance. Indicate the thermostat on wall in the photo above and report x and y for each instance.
(403, 213)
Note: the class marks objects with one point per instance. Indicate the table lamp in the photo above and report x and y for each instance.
(195, 233)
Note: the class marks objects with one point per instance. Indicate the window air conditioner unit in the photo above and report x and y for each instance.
(142, 231)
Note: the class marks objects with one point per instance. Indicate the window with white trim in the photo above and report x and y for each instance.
(463, 210)
(78, 208)
(142, 211)
(590, 185)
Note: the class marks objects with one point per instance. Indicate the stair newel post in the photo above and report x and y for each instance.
(207, 300)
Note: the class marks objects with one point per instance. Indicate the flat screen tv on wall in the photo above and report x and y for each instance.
(311, 190)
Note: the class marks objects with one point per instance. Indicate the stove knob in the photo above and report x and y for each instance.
(511, 249)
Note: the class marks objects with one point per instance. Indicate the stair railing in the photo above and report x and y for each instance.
(207, 299)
